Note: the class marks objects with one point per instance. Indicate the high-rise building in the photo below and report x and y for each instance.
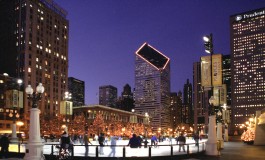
(127, 92)
(34, 47)
(227, 77)
(247, 38)
(77, 88)
(200, 109)
(152, 85)
(108, 95)
(175, 109)
(126, 101)
(187, 104)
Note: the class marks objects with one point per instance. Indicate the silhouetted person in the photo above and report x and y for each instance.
(181, 141)
(134, 142)
(4, 143)
(86, 141)
(101, 140)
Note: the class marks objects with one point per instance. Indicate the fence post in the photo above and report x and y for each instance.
(96, 151)
(171, 150)
(203, 146)
(198, 147)
(52, 149)
(18, 147)
(123, 152)
(150, 152)
(188, 149)
(72, 151)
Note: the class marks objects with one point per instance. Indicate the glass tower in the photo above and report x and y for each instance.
(247, 37)
(152, 85)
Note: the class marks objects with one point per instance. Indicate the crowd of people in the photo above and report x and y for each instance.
(67, 142)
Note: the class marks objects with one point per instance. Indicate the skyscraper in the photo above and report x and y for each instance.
(175, 109)
(247, 37)
(152, 85)
(108, 95)
(77, 88)
(227, 77)
(187, 104)
(34, 47)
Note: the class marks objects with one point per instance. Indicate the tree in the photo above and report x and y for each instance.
(98, 124)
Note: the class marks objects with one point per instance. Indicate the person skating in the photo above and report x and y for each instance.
(181, 141)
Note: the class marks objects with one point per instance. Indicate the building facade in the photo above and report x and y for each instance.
(187, 104)
(108, 95)
(247, 37)
(152, 85)
(175, 109)
(126, 102)
(77, 88)
(34, 47)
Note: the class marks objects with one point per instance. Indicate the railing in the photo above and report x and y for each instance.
(120, 150)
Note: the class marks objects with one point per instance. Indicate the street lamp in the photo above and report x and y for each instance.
(19, 123)
(219, 129)
(226, 119)
(208, 43)
(67, 98)
(211, 144)
(14, 112)
(34, 147)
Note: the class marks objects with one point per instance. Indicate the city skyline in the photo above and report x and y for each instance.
(104, 36)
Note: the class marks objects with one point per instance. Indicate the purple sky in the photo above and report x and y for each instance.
(104, 35)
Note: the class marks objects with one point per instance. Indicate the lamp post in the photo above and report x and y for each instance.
(219, 129)
(67, 97)
(226, 119)
(14, 112)
(211, 144)
(35, 146)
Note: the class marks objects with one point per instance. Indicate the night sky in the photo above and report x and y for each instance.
(104, 35)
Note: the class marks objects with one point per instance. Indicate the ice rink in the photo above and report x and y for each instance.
(163, 149)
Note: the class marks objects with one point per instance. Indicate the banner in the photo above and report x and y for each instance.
(217, 69)
(223, 95)
(206, 71)
(66, 107)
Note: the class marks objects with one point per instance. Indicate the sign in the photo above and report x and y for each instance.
(66, 107)
(14, 98)
(206, 71)
(217, 69)
(250, 15)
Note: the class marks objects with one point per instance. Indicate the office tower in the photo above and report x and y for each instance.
(108, 95)
(152, 85)
(247, 37)
(77, 88)
(187, 103)
(127, 92)
(34, 47)
(126, 101)
(175, 109)
(200, 109)
(227, 77)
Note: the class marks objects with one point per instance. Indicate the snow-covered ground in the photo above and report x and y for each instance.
(129, 152)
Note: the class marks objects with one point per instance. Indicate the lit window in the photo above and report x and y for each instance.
(29, 69)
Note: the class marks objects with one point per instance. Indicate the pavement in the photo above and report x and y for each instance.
(235, 150)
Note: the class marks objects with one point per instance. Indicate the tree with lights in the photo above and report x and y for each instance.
(248, 136)
(98, 124)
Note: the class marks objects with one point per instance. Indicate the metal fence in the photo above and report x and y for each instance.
(120, 150)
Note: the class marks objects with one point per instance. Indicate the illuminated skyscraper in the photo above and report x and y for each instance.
(77, 88)
(152, 85)
(247, 34)
(108, 95)
(34, 47)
